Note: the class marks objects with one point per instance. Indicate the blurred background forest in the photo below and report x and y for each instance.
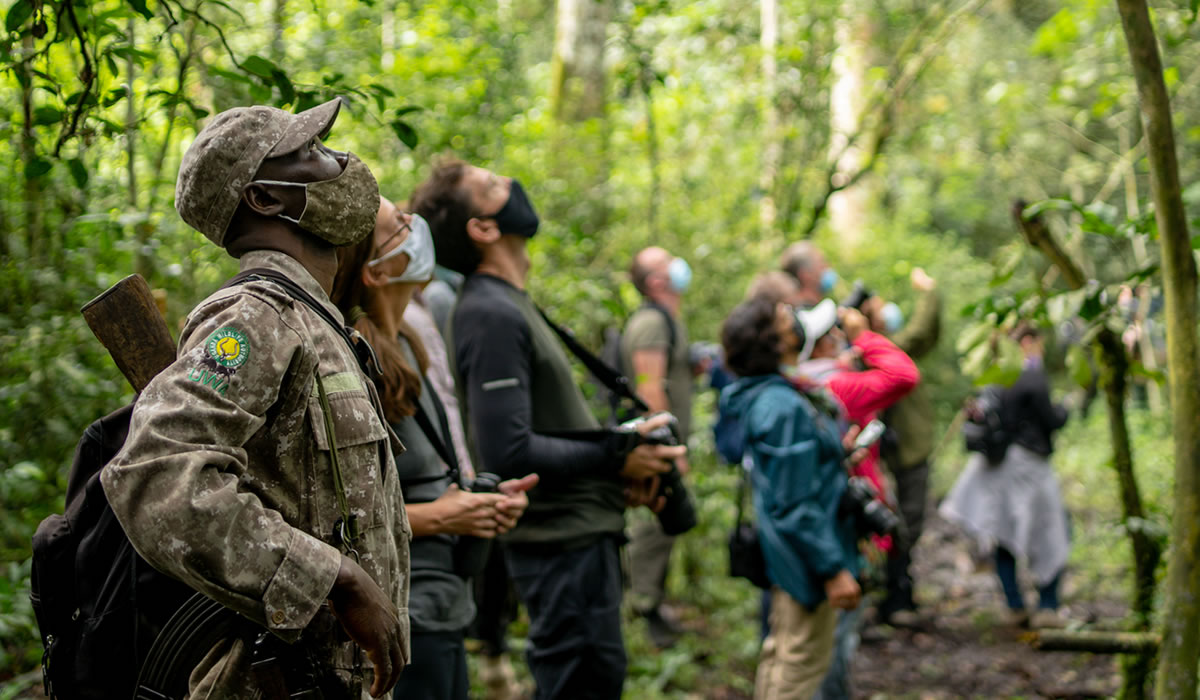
(893, 134)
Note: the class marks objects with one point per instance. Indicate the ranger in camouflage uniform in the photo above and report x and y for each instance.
(225, 481)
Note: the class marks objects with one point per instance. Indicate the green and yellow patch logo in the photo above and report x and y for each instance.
(228, 347)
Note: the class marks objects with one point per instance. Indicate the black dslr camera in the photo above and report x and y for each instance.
(857, 296)
(679, 514)
(871, 516)
(471, 553)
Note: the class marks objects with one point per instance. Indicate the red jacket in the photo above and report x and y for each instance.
(889, 376)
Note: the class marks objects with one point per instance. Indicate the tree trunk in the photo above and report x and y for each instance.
(278, 21)
(577, 75)
(35, 236)
(1096, 642)
(646, 80)
(144, 229)
(772, 138)
(1181, 630)
(1114, 374)
(1141, 257)
(578, 94)
(848, 208)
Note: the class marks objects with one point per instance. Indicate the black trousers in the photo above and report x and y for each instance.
(437, 669)
(574, 602)
(912, 486)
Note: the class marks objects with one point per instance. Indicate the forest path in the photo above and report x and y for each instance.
(963, 648)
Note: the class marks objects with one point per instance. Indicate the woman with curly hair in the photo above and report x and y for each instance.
(798, 480)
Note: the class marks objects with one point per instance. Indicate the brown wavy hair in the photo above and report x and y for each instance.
(399, 384)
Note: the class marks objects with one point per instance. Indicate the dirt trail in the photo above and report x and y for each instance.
(964, 649)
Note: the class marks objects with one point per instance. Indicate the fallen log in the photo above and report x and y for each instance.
(1096, 642)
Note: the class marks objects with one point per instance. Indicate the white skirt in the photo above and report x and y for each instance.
(1015, 504)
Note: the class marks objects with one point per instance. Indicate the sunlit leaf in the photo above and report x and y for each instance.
(228, 75)
(1078, 367)
(114, 96)
(972, 336)
(1138, 369)
(259, 66)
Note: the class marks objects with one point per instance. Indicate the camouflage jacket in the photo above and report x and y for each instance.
(225, 480)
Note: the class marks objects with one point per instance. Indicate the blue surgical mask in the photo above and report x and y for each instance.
(893, 317)
(419, 248)
(828, 278)
(680, 275)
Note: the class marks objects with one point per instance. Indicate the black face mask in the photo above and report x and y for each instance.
(517, 215)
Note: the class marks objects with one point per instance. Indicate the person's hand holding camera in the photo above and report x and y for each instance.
(853, 322)
(646, 463)
(843, 591)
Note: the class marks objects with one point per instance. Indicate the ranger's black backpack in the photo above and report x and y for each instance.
(99, 605)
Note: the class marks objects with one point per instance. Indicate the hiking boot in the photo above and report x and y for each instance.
(499, 680)
(1015, 617)
(904, 618)
(663, 632)
(1047, 618)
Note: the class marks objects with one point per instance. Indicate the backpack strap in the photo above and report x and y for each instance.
(671, 331)
(360, 348)
(346, 530)
(445, 450)
(612, 379)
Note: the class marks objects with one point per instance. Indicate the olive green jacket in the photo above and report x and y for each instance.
(912, 417)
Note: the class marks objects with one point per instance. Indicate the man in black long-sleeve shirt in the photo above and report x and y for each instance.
(519, 401)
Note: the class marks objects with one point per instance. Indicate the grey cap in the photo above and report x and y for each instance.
(228, 152)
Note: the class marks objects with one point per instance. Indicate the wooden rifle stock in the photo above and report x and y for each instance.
(129, 325)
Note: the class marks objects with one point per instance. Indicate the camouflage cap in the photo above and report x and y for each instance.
(228, 152)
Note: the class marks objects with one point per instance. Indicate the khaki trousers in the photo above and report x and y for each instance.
(797, 652)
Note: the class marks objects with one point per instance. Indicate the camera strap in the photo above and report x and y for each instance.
(445, 449)
(604, 373)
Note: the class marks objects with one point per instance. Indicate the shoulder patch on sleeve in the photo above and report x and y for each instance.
(228, 347)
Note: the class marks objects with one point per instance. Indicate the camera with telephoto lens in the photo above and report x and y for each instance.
(471, 553)
(857, 297)
(679, 514)
(871, 516)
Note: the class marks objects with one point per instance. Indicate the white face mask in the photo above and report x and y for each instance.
(419, 248)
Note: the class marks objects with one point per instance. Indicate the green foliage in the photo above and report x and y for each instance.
(1031, 102)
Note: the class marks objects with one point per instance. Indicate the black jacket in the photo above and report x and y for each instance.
(1027, 410)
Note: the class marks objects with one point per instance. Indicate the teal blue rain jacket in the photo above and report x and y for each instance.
(798, 481)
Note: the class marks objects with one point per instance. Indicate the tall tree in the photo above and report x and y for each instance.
(848, 99)
(578, 98)
(772, 138)
(1181, 636)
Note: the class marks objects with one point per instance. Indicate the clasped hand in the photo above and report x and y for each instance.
(484, 514)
